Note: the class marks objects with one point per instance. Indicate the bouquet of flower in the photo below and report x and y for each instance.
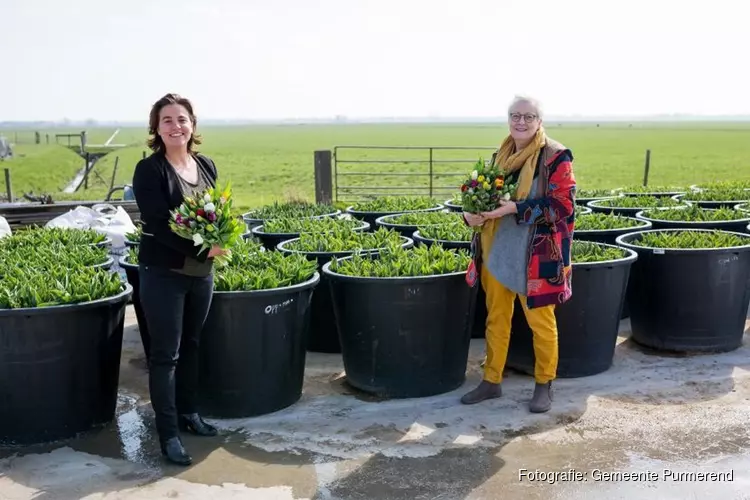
(484, 188)
(206, 218)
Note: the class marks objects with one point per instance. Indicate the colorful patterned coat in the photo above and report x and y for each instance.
(553, 217)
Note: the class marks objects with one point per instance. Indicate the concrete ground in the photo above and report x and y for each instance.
(654, 415)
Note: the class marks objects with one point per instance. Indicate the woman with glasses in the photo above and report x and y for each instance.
(524, 250)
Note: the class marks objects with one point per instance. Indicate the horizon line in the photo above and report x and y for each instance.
(342, 119)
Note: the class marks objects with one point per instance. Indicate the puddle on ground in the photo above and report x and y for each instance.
(228, 458)
(131, 436)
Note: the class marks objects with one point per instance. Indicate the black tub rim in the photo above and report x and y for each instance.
(630, 257)
(391, 280)
(583, 201)
(695, 224)
(416, 236)
(122, 296)
(406, 242)
(258, 230)
(451, 204)
(104, 265)
(703, 187)
(354, 213)
(269, 292)
(247, 218)
(593, 205)
(617, 230)
(707, 202)
(656, 194)
(124, 262)
(743, 207)
(584, 210)
(106, 241)
(381, 222)
(131, 243)
(622, 241)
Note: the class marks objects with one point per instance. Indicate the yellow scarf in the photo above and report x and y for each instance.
(509, 160)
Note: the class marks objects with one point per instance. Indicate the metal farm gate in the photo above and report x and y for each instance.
(362, 172)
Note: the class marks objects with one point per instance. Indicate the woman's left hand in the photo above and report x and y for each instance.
(505, 208)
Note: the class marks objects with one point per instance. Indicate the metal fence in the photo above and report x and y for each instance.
(361, 172)
(16, 137)
(23, 136)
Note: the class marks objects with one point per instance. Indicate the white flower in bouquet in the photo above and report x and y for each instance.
(209, 207)
(197, 239)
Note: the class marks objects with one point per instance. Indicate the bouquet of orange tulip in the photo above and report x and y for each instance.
(207, 219)
(484, 188)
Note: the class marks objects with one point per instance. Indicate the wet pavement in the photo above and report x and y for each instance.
(649, 418)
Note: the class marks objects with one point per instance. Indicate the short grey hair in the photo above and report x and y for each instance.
(530, 100)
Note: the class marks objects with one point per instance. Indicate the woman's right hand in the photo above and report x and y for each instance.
(473, 219)
(216, 251)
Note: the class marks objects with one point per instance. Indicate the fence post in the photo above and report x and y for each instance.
(323, 177)
(647, 168)
(8, 188)
(431, 170)
(86, 173)
(114, 173)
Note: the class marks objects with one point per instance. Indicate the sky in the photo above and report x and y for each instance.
(299, 59)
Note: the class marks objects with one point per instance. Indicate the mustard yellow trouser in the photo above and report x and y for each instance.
(541, 320)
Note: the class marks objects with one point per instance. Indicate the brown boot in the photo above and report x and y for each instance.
(485, 390)
(542, 399)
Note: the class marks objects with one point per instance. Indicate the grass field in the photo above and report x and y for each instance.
(267, 163)
(41, 169)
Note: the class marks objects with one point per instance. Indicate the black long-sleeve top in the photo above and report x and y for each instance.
(157, 192)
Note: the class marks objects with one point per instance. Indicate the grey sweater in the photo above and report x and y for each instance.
(508, 257)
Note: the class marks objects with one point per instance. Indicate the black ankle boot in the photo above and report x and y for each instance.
(175, 452)
(192, 422)
(542, 400)
(485, 390)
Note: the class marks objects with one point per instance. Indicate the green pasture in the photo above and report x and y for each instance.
(267, 163)
(40, 169)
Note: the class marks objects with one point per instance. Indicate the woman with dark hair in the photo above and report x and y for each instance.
(176, 282)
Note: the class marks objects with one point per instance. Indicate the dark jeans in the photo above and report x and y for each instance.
(176, 307)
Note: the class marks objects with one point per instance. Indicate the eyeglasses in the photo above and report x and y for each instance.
(528, 118)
